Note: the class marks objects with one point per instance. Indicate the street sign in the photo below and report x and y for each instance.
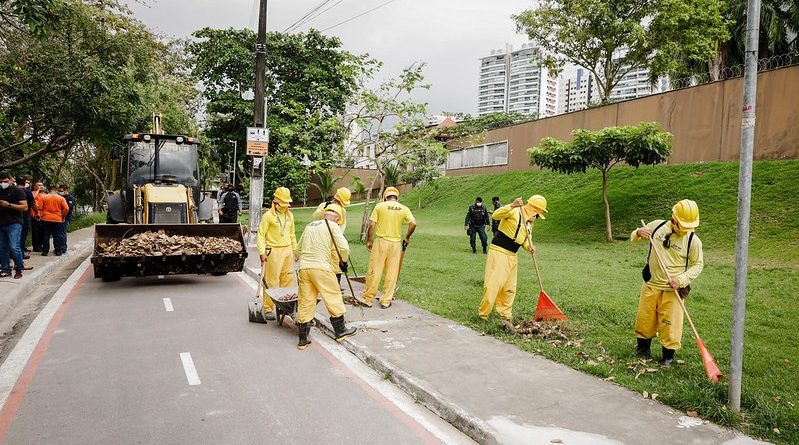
(257, 141)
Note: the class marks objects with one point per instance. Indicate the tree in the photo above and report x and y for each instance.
(326, 182)
(358, 187)
(34, 16)
(390, 122)
(611, 38)
(426, 162)
(644, 144)
(309, 80)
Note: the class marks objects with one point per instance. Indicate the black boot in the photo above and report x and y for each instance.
(341, 330)
(668, 358)
(485, 249)
(304, 329)
(642, 350)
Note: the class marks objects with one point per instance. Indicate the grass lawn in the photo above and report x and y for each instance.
(597, 283)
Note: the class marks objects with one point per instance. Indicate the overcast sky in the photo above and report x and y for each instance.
(449, 35)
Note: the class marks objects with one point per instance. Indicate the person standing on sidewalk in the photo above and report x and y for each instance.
(659, 312)
(277, 246)
(24, 184)
(12, 204)
(516, 222)
(317, 277)
(63, 190)
(475, 224)
(494, 222)
(36, 218)
(54, 212)
(386, 222)
(342, 199)
(229, 204)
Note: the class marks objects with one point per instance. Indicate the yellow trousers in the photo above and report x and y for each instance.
(279, 272)
(659, 312)
(499, 283)
(385, 257)
(314, 282)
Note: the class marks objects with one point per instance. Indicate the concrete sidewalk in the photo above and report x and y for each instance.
(497, 393)
(14, 292)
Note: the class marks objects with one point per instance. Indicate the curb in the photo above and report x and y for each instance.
(468, 424)
(9, 305)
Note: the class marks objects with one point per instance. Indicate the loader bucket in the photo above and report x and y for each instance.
(114, 267)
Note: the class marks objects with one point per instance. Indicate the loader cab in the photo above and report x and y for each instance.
(163, 184)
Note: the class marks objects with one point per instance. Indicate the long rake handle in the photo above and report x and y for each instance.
(535, 261)
(679, 298)
(338, 253)
(260, 280)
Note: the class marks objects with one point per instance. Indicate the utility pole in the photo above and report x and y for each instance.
(744, 203)
(257, 176)
(235, 147)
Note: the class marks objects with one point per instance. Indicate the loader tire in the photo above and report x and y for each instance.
(111, 278)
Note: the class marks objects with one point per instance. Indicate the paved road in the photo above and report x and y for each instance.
(118, 369)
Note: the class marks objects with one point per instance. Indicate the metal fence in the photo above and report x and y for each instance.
(766, 64)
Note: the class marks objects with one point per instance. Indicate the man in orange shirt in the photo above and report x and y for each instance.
(54, 211)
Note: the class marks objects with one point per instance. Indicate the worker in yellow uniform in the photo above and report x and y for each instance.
(316, 274)
(659, 312)
(386, 222)
(277, 244)
(342, 199)
(516, 222)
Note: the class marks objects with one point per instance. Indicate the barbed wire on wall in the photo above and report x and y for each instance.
(729, 72)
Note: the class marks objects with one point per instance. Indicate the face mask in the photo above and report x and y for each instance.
(27, 185)
(479, 204)
(5, 184)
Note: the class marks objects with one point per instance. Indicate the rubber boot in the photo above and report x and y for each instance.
(485, 250)
(304, 329)
(474, 250)
(341, 330)
(642, 350)
(668, 358)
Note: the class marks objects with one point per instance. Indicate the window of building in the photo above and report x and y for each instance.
(495, 153)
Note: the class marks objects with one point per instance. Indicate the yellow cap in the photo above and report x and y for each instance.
(537, 204)
(686, 212)
(343, 195)
(391, 191)
(283, 195)
(336, 208)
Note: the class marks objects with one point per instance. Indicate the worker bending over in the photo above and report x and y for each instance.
(277, 244)
(342, 199)
(659, 312)
(316, 274)
(386, 222)
(516, 221)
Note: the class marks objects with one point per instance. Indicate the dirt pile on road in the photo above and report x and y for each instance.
(160, 244)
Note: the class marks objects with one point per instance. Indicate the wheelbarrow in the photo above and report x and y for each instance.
(284, 298)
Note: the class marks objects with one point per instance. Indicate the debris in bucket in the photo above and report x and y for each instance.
(288, 297)
(160, 244)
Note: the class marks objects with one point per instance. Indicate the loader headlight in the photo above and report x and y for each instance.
(179, 139)
(147, 138)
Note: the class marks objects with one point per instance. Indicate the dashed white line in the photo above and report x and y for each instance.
(168, 305)
(188, 367)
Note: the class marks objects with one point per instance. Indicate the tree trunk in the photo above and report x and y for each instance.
(365, 220)
(608, 228)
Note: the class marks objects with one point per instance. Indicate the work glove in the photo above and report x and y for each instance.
(343, 266)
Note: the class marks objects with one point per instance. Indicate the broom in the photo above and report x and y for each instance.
(711, 368)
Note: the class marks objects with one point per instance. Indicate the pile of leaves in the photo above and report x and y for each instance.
(160, 244)
(288, 297)
(528, 329)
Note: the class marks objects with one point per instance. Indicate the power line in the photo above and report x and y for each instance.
(359, 15)
(310, 19)
(319, 6)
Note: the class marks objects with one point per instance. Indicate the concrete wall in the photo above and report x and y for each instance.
(705, 121)
(366, 175)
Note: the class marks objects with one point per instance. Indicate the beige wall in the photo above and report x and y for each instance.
(348, 174)
(705, 121)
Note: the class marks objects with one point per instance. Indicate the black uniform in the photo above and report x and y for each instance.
(476, 220)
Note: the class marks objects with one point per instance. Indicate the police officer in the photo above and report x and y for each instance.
(475, 224)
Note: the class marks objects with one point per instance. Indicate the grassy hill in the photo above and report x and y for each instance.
(596, 283)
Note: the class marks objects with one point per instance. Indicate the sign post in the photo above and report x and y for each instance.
(257, 148)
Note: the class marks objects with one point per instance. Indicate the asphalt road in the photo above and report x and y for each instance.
(116, 365)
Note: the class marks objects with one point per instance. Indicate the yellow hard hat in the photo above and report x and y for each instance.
(283, 194)
(537, 204)
(391, 191)
(343, 195)
(686, 212)
(336, 208)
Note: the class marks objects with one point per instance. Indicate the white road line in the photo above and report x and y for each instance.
(188, 367)
(15, 363)
(168, 305)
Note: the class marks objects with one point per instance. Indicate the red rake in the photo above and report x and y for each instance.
(711, 368)
(546, 310)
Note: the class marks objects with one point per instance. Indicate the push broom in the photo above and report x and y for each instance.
(711, 368)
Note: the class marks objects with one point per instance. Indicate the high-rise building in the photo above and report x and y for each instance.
(635, 84)
(515, 81)
(577, 91)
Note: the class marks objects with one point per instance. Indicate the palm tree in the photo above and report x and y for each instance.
(391, 175)
(325, 183)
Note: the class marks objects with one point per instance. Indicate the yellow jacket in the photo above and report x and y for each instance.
(508, 218)
(276, 230)
(674, 257)
(316, 245)
(320, 213)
